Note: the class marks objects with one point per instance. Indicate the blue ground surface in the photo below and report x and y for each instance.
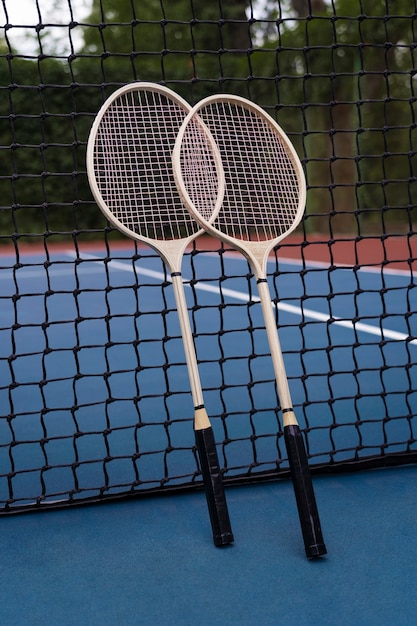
(151, 561)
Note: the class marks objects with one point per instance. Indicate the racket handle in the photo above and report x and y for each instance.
(216, 499)
(304, 493)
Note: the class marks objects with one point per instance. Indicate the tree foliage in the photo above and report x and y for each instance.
(344, 79)
(338, 76)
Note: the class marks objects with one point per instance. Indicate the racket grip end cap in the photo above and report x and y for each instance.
(316, 550)
(224, 539)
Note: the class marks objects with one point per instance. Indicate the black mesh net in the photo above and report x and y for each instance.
(94, 395)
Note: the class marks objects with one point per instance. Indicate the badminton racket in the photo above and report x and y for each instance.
(260, 200)
(129, 169)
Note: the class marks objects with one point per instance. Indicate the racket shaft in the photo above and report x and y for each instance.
(276, 352)
(210, 469)
(304, 493)
(216, 500)
(187, 338)
(297, 457)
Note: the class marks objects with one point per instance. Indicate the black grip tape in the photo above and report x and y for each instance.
(212, 477)
(304, 493)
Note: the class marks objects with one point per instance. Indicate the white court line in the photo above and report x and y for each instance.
(282, 306)
(371, 269)
(36, 272)
(36, 269)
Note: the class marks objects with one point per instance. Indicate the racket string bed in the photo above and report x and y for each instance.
(260, 177)
(146, 201)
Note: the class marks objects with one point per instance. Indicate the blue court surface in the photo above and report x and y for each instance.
(349, 342)
(151, 561)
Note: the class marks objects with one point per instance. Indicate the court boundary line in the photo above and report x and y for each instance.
(372, 269)
(383, 333)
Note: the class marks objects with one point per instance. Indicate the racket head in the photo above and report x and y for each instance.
(129, 164)
(261, 181)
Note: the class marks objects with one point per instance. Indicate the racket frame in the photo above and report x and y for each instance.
(172, 251)
(257, 253)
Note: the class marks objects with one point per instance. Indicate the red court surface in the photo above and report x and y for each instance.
(398, 252)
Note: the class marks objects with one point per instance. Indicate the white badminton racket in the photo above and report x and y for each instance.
(260, 200)
(130, 174)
